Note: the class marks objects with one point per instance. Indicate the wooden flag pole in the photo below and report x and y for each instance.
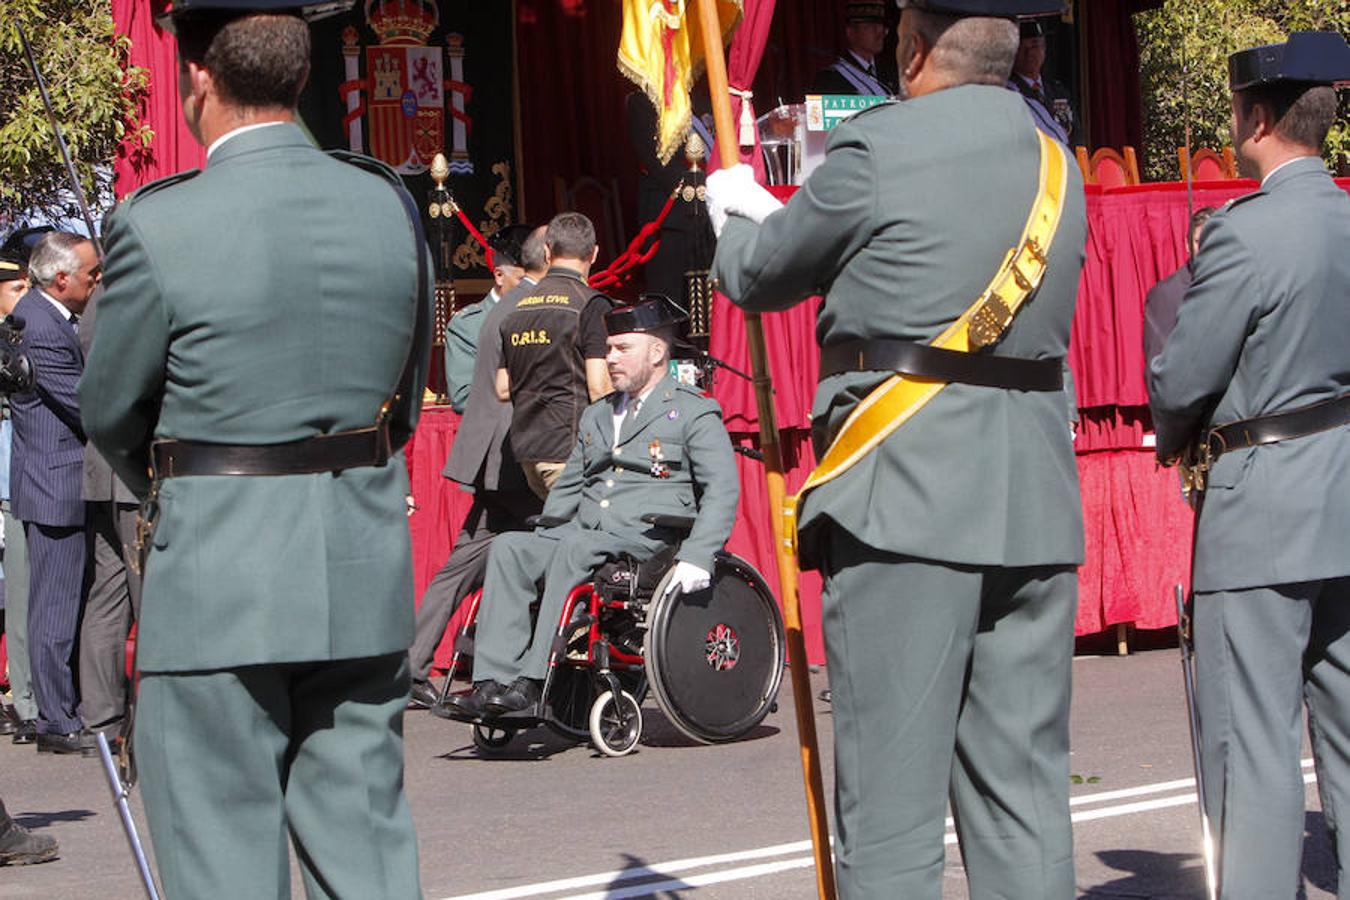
(727, 143)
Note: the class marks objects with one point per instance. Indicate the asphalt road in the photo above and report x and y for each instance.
(547, 819)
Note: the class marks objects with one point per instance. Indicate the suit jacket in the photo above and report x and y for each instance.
(248, 305)
(100, 484)
(1066, 127)
(900, 229)
(461, 349)
(833, 80)
(481, 455)
(1160, 309)
(44, 477)
(1264, 328)
(674, 458)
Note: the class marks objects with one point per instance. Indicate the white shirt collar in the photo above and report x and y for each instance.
(621, 411)
(65, 313)
(1269, 174)
(240, 130)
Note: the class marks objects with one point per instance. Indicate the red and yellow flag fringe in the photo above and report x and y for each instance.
(661, 53)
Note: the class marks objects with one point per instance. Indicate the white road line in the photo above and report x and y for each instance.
(620, 883)
(697, 881)
(635, 873)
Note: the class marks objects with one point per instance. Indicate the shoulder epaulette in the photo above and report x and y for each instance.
(1236, 201)
(368, 163)
(160, 184)
(692, 391)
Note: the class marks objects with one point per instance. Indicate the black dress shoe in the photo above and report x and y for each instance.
(9, 720)
(470, 703)
(81, 742)
(521, 695)
(26, 732)
(423, 695)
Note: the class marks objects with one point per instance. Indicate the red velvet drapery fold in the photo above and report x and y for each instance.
(743, 59)
(1115, 112)
(173, 148)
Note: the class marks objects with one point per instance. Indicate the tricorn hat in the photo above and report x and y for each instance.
(864, 11)
(310, 9)
(651, 313)
(1032, 28)
(11, 269)
(19, 245)
(1004, 9)
(505, 243)
(1308, 57)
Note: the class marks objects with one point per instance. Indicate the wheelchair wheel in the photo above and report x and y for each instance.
(715, 657)
(616, 725)
(572, 693)
(489, 738)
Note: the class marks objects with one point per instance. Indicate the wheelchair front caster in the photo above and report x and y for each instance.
(488, 738)
(615, 725)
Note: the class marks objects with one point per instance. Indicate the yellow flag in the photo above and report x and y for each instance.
(661, 51)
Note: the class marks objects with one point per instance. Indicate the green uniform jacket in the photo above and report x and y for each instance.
(268, 299)
(610, 488)
(900, 229)
(1265, 327)
(461, 348)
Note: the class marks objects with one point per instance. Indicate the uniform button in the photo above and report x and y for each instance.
(604, 504)
(616, 468)
(609, 483)
(618, 451)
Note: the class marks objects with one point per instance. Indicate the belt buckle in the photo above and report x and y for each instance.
(1208, 449)
(988, 322)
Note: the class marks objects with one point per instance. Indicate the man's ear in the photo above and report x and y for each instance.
(1264, 124)
(917, 47)
(595, 254)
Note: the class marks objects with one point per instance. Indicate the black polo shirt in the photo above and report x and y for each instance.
(545, 341)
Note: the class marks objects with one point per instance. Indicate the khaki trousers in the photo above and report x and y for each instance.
(541, 476)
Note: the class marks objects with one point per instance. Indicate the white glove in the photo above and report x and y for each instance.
(688, 578)
(734, 191)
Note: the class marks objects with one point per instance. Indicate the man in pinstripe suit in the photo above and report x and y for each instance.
(45, 478)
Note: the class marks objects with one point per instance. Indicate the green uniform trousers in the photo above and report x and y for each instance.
(1261, 654)
(949, 682)
(233, 760)
(16, 617)
(506, 646)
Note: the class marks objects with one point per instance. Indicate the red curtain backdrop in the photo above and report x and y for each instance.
(571, 102)
(1115, 114)
(743, 59)
(173, 148)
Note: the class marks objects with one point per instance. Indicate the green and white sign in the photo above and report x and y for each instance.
(824, 111)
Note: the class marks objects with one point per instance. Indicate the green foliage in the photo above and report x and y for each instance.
(81, 59)
(1184, 48)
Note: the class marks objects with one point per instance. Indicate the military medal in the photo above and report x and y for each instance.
(659, 467)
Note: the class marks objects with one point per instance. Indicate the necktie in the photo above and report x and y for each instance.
(633, 406)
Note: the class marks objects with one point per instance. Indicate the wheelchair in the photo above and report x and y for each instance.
(713, 659)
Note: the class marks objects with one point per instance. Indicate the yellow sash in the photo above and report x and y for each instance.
(898, 398)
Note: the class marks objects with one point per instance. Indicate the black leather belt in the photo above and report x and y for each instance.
(926, 361)
(322, 453)
(1282, 426)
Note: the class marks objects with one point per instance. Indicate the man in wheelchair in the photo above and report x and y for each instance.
(652, 446)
